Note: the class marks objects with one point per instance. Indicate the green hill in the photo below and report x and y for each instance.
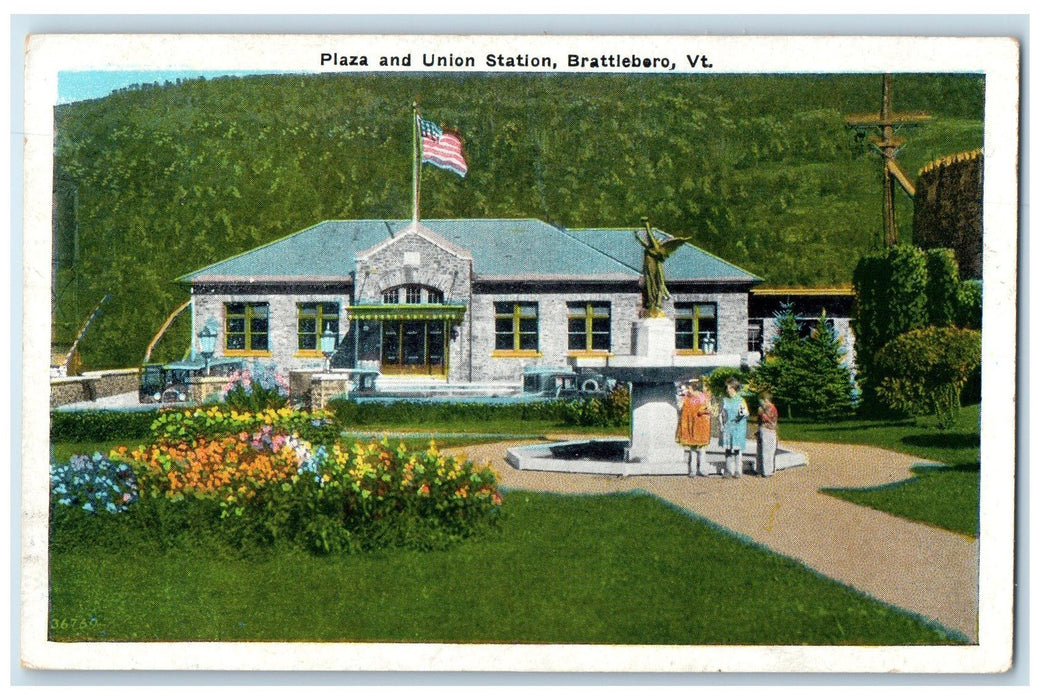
(155, 182)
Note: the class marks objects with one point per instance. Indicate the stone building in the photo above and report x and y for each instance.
(466, 300)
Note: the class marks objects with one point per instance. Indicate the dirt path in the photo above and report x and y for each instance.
(923, 569)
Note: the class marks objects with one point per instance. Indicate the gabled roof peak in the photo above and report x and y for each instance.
(419, 229)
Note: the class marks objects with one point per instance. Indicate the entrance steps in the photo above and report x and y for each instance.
(423, 387)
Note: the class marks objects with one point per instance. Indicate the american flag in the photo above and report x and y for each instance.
(441, 149)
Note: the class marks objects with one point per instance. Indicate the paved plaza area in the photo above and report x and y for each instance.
(919, 568)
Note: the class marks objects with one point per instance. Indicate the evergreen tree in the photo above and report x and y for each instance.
(807, 376)
(779, 371)
(926, 370)
(901, 289)
(829, 391)
(890, 300)
(969, 305)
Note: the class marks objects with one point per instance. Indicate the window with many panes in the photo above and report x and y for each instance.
(246, 326)
(413, 294)
(516, 325)
(588, 325)
(313, 319)
(696, 327)
(754, 335)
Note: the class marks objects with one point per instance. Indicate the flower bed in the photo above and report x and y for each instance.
(246, 479)
(255, 389)
(218, 421)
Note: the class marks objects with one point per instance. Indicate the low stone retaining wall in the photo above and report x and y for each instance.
(316, 389)
(325, 387)
(93, 385)
(201, 388)
(300, 387)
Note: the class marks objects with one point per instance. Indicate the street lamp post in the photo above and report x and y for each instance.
(328, 347)
(207, 344)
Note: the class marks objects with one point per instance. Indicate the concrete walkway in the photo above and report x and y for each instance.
(923, 569)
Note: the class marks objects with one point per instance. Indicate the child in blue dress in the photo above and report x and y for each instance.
(734, 416)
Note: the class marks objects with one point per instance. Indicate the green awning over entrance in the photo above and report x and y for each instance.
(408, 312)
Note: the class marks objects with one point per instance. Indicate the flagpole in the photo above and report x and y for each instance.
(416, 170)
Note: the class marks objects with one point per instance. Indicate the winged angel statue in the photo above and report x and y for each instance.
(655, 252)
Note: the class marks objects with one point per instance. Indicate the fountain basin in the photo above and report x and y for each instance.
(611, 456)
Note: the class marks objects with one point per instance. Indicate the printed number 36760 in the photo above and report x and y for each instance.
(72, 623)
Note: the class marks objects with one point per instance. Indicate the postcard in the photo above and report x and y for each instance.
(519, 353)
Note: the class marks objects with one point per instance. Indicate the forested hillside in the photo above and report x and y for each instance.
(153, 183)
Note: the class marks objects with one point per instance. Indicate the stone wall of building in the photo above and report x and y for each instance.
(201, 389)
(414, 259)
(283, 323)
(507, 366)
(731, 312)
(325, 387)
(300, 387)
(410, 258)
(94, 385)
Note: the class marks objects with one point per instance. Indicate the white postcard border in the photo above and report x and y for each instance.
(997, 58)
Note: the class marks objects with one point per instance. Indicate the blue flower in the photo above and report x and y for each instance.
(95, 482)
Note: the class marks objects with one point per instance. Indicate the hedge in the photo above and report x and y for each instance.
(100, 426)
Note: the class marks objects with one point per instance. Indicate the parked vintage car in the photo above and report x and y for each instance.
(565, 383)
(169, 383)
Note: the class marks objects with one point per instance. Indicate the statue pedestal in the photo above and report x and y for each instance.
(653, 370)
(654, 421)
(654, 339)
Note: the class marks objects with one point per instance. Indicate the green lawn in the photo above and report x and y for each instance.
(622, 569)
(946, 496)
(919, 437)
(63, 451)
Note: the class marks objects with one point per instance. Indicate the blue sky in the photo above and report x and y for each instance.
(74, 86)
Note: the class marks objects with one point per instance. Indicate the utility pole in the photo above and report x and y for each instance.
(882, 128)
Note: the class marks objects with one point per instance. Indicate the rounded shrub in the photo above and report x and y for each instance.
(924, 370)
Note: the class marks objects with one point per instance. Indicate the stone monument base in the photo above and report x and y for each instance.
(653, 339)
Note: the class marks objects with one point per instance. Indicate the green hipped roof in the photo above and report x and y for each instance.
(688, 262)
(500, 248)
